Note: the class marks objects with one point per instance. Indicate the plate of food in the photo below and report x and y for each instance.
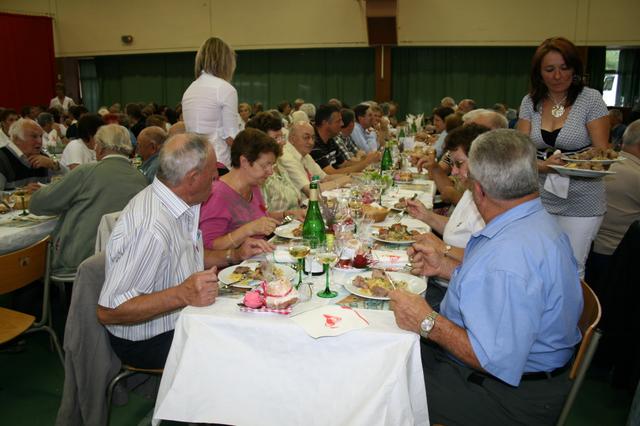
(376, 284)
(403, 176)
(250, 274)
(292, 230)
(596, 156)
(395, 234)
(572, 170)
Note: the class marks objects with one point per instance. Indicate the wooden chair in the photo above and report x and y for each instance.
(591, 313)
(19, 269)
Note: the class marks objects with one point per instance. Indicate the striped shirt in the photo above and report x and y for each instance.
(155, 245)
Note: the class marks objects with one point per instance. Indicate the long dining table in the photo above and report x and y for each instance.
(18, 232)
(230, 366)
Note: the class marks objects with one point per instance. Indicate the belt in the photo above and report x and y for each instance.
(478, 378)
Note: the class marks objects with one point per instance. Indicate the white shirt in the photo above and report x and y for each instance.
(65, 104)
(210, 107)
(77, 152)
(464, 221)
(297, 167)
(155, 245)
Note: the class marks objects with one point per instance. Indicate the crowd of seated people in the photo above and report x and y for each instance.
(273, 156)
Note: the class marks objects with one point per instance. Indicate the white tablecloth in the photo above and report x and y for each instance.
(232, 367)
(24, 234)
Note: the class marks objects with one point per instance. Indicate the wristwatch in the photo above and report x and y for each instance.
(447, 249)
(427, 324)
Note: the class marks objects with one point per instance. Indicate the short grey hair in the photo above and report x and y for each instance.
(497, 120)
(448, 101)
(16, 131)
(114, 138)
(45, 118)
(631, 136)
(309, 109)
(616, 113)
(156, 134)
(504, 162)
(175, 163)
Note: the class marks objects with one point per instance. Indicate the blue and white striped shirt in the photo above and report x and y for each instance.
(155, 245)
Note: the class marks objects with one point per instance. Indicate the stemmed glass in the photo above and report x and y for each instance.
(327, 256)
(22, 194)
(299, 249)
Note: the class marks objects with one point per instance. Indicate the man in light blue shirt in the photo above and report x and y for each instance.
(508, 324)
(364, 139)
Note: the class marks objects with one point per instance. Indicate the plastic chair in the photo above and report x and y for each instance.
(19, 269)
(589, 319)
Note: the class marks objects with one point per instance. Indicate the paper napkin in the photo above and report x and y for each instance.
(330, 320)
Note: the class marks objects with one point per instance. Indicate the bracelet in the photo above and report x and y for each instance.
(233, 243)
(229, 256)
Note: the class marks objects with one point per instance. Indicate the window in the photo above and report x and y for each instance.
(610, 87)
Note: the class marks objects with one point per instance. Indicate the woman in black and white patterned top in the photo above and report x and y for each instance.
(559, 113)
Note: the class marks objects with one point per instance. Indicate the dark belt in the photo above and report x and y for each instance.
(478, 378)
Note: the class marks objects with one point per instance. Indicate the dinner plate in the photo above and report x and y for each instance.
(225, 275)
(286, 231)
(603, 162)
(375, 236)
(414, 284)
(572, 172)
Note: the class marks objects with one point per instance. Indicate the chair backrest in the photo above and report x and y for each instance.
(591, 313)
(22, 267)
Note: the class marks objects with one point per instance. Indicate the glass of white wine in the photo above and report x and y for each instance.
(299, 249)
(327, 256)
(22, 194)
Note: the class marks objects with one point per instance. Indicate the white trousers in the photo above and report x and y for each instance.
(581, 232)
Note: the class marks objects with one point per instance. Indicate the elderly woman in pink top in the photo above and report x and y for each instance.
(236, 210)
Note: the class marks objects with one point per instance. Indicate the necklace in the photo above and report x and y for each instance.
(558, 107)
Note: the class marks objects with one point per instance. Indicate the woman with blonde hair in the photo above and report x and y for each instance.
(210, 103)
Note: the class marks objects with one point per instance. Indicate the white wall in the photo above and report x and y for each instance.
(93, 27)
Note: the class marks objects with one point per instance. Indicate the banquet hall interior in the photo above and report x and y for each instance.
(130, 62)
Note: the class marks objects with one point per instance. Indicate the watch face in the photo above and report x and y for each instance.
(427, 324)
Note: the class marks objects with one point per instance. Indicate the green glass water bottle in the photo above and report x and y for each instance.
(387, 160)
(313, 228)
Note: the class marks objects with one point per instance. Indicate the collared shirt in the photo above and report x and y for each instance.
(4, 139)
(517, 294)
(150, 167)
(346, 145)
(364, 139)
(326, 153)
(64, 105)
(299, 169)
(439, 145)
(155, 245)
(623, 204)
(210, 107)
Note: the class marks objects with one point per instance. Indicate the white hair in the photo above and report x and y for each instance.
(114, 138)
(16, 131)
(504, 162)
(299, 115)
(631, 135)
(497, 120)
(309, 109)
(175, 163)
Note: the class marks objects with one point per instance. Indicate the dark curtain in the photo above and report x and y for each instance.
(422, 76)
(27, 72)
(596, 62)
(628, 94)
(267, 76)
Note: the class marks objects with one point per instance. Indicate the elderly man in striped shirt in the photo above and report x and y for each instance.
(155, 263)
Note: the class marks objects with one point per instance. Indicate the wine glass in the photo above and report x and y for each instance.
(299, 249)
(22, 194)
(327, 256)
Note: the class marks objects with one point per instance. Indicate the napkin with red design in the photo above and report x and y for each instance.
(330, 320)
